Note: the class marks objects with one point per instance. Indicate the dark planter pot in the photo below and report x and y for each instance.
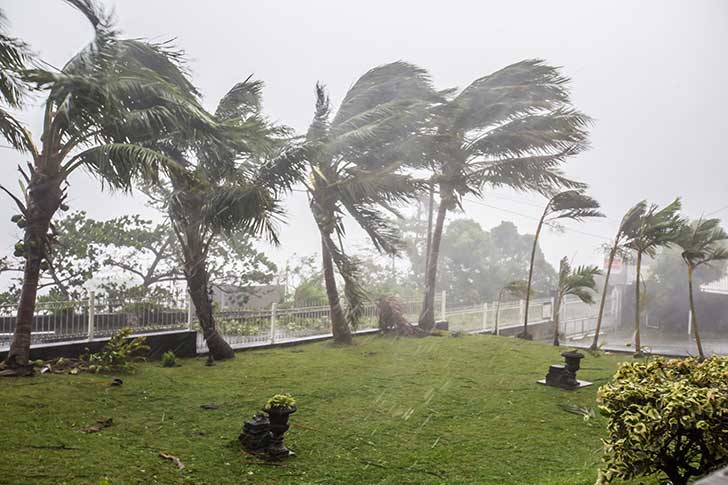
(278, 418)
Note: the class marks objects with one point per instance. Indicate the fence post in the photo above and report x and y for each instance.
(443, 306)
(485, 316)
(273, 309)
(189, 312)
(521, 309)
(91, 314)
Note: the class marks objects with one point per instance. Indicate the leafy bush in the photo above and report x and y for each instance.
(280, 401)
(169, 359)
(666, 416)
(118, 353)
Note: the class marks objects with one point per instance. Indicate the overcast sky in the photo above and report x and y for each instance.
(652, 74)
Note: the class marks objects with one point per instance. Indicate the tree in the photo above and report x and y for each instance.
(626, 227)
(14, 59)
(512, 128)
(357, 169)
(568, 205)
(655, 228)
(515, 288)
(108, 99)
(233, 186)
(703, 242)
(578, 282)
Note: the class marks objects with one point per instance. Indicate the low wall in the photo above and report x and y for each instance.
(543, 330)
(182, 342)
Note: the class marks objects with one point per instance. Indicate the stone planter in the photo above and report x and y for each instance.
(278, 418)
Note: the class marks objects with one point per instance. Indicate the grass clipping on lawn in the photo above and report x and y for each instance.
(385, 410)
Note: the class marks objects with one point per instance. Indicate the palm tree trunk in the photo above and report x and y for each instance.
(44, 194)
(692, 311)
(612, 254)
(339, 327)
(524, 334)
(427, 317)
(198, 281)
(637, 343)
(496, 330)
(557, 318)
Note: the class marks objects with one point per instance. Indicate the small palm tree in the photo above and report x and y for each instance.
(627, 226)
(703, 241)
(511, 128)
(357, 170)
(654, 228)
(578, 282)
(106, 102)
(515, 288)
(572, 205)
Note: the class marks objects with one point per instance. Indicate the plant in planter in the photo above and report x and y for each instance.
(279, 408)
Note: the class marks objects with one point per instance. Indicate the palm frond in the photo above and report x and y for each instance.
(579, 281)
(574, 205)
(703, 241)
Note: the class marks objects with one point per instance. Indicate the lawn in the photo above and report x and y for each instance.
(434, 410)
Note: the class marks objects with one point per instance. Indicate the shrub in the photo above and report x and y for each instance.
(169, 359)
(118, 353)
(666, 416)
(280, 401)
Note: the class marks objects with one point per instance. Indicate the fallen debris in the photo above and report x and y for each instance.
(210, 405)
(100, 424)
(173, 459)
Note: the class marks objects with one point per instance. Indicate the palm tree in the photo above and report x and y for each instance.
(512, 128)
(627, 226)
(568, 205)
(108, 99)
(357, 169)
(515, 288)
(578, 282)
(233, 185)
(655, 228)
(703, 241)
(14, 59)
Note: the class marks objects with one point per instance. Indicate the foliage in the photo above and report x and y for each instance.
(14, 58)
(476, 263)
(666, 416)
(578, 281)
(118, 353)
(169, 359)
(280, 401)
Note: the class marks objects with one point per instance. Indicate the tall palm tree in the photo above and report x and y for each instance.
(626, 227)
(567, 205)
(703, 241)
(14, 59)
(233, 185)
(578, 282)
(107, 101)
(357, 170)
(512, 128)
(655, 228)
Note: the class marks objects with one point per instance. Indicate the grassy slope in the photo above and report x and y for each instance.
(435, 410)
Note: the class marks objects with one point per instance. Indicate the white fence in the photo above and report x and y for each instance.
(98, 318)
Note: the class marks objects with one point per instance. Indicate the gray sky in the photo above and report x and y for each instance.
(651, 73)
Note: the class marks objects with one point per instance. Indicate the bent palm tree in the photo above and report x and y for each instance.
(578, 282)
(627, 226)
(655, 228)
(512, 128)
(572, 205)
(356, 169)
(234, 186)
(702, 241)
(514, 288)
(108, 99)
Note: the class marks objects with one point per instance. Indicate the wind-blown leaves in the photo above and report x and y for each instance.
(578, 281)
(703, 241)
(572, 204)
(14, 57)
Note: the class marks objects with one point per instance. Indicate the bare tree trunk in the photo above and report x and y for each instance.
(44, 198)
(524, 333)
(339, 326)
(612, 254)
(198, 282)
(692, 311)
(427, 317)
(637, 343)
(557, 318)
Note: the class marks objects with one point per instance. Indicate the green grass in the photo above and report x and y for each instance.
(433, 410)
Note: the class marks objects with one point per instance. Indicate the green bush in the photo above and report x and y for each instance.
(169, 359)
(118, 353)
(666, 416)
(280, 401)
